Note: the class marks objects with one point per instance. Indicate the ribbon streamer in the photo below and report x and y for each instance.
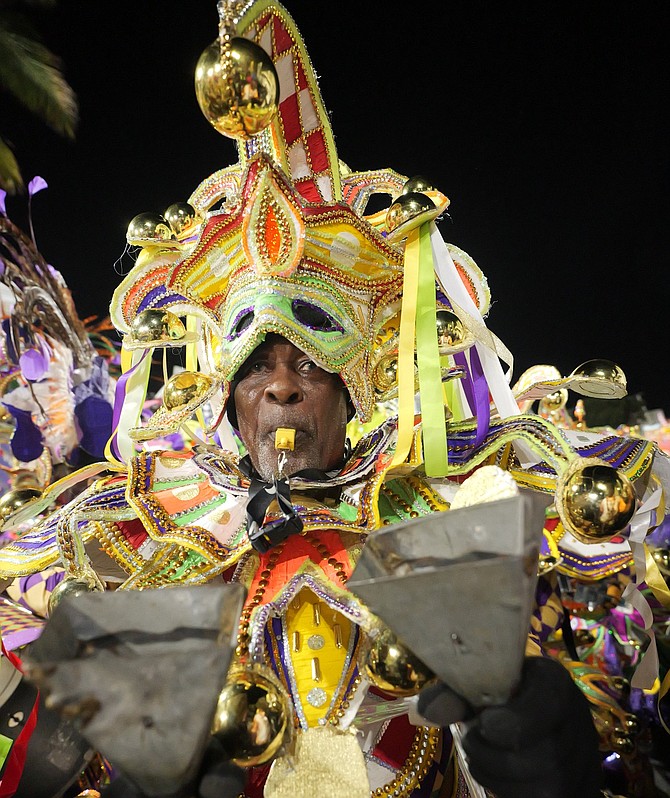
(647, 670)
(129, 397)
(406, 349)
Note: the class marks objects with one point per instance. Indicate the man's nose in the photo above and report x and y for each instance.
(284, 386)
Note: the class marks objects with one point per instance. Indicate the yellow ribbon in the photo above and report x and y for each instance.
(406, 348)
(418, 333)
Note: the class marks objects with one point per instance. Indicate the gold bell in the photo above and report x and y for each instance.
(252, 716)
(601, 379)
(156, 327)
(147, 229)
(391, 666)
(14, 500)
(71, 587)
(237, 88)
(185, 388)
(597, 501)
(183, 219)
(407, 212)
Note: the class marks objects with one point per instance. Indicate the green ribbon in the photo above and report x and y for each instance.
(431, 394)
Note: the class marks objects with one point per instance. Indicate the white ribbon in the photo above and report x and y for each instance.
(489, 347)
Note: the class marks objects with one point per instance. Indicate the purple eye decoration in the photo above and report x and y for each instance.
(243, 320)
(314, 317)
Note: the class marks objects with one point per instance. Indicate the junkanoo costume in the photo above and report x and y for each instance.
(279, 242)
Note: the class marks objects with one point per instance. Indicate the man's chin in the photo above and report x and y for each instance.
(267, 461)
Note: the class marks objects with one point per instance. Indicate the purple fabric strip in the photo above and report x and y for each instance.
(466, 382)
(482, 404)
(476, 391)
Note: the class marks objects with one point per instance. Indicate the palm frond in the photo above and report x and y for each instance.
(10, 174)
(33, 74)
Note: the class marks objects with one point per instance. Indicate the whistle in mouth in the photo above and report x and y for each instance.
(284, 439)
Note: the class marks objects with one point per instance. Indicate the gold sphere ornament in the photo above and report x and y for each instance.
(407, 212)
(148, 229)
(600, 379)
(158, 328)
(451, 334)
(418, 183)
(186, 388)
(252, 717)
(71, 587)
(14, 500)
(594, 500)
(391, 666)
(237, 87)
(183, 219)
(553, 402)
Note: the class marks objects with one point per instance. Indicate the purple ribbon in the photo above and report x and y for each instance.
(476, 391)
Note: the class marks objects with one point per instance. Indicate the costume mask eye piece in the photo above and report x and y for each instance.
(313, 317)
(243, 321)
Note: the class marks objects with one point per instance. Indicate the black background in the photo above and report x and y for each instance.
(544, 122)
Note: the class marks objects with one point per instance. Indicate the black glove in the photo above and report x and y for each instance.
(541, 744)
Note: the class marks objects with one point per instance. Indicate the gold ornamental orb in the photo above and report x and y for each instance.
(553, 402)
(182, 218)
(418, 183)
(146, 229)
(251, 718)
(391, 666)
(154, 327)
(407, 212)
(600, 378)
(237, 88)
(69, 588)
(386, 373)
(14, 500)
(184, 388)
(450, 330)
(598, 501)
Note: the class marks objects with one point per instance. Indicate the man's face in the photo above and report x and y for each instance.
(279, 386)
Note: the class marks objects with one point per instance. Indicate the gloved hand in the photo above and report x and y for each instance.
(218, 778)
(541, 744)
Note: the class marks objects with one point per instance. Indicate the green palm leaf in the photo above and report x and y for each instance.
(32, 73)
(10, 174)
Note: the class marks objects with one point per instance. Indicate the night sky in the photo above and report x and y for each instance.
(543, 122)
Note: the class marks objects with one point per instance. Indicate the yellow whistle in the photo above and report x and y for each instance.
(284, 438)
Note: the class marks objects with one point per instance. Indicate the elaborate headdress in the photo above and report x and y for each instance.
(280, 242)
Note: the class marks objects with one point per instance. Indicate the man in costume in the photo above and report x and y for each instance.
(298, 311)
